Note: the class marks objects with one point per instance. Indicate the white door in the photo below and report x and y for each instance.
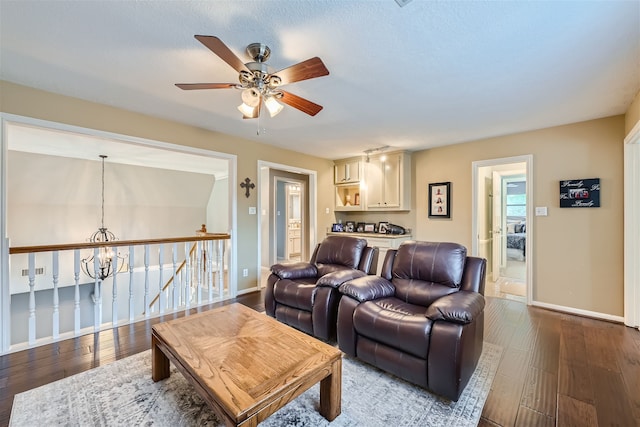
(497, 229)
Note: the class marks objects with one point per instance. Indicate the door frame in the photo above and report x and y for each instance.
(527, 159)
(312, 202)
(303, 202)
(632, 227)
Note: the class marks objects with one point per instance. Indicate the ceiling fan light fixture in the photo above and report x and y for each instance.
(251, 97)
(247, 111)
(273, 106)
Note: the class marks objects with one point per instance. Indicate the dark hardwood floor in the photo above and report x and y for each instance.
(556, 369)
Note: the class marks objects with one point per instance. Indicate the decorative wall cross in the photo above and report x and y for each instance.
(247, 185)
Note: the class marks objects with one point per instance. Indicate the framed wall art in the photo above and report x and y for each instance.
(440, 200)
(580, 193)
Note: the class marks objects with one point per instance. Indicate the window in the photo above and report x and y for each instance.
(517, 205)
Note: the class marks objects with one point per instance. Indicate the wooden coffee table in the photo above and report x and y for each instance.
(245, 364)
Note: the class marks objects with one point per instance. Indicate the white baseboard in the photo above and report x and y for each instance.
(579, 312)
(248, 290)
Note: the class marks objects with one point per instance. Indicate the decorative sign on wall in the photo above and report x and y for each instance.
(580, 193)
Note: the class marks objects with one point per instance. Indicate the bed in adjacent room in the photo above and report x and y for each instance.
(517, 239)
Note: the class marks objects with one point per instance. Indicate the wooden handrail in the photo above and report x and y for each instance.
(70, 246)
(164, 288)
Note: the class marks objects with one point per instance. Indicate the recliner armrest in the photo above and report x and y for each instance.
(294, 271)
(368, 288)
(337, 278)
(460, 307)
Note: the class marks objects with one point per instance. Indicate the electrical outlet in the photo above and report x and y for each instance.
(245, 272)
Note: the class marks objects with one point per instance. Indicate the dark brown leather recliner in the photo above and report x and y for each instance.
(422, 319)
(305, 294)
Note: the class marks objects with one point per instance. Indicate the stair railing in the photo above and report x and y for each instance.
(69, 304)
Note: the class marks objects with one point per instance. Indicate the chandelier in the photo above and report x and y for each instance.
(106, 255)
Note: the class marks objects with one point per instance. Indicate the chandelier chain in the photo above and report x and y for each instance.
(102, 219)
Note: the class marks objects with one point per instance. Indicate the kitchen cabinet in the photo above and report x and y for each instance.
(388, 181)
(294, 247)
(347, 171)
(348, 179)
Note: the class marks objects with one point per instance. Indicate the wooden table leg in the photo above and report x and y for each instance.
(331, 392)
(159, 362)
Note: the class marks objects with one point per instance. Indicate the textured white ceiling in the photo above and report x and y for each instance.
(427, 74)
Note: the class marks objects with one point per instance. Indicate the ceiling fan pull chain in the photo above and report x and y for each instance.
(258, 131)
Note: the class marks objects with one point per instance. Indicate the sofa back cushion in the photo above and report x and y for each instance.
(338, 252)
(425, 271)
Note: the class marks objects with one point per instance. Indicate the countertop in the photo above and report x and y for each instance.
(370, 235)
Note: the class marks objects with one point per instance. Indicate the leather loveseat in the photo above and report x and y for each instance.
(422, 319)
(305, 294)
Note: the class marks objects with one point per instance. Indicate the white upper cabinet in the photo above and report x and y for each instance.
(388, 181)
(347, 171)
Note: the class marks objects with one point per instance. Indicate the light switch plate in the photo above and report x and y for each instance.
(252, 210)
(541, 211)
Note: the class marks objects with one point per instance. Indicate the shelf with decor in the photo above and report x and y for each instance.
(383, 242)
(348, 197)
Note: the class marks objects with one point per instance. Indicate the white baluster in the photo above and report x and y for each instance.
(182, 288)
(209, 259)
(32, 298)
(220, 262)
(114, 293)
(97, 291)
(160, 281)
(147, 309)
(199, 267)
(187, 287)
(131, 305)
(175, 287)
(76, 296)
(55, 270)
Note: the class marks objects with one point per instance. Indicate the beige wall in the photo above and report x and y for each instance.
(25, 101)
(578, 253)
(633, 115)
(55, 200)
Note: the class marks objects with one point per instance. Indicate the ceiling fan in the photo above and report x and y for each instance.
(258, 84)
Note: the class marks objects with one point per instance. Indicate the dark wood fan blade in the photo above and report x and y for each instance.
(301, 104)
(216, 46)
(192, 86)
(305, 70)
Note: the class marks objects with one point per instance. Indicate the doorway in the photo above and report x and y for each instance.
(287, 224)
(502, 225)
(289, 219)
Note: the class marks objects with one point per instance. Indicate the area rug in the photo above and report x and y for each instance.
(123, 394)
